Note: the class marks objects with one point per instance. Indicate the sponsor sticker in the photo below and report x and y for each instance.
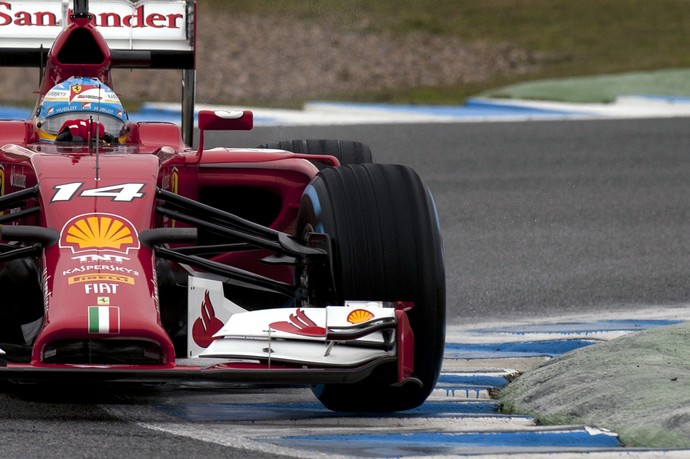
(359, 316)
(99, 231)
(207, 311)
(100, 277)
(299, 324)
(99, 242)
(207, 324)
(160, 24)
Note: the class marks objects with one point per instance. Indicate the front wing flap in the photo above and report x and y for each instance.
(334, 336)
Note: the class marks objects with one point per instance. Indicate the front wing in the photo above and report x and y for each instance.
(336, 344)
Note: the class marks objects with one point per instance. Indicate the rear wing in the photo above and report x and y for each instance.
(158, 34)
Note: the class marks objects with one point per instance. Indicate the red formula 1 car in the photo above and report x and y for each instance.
(128, 255)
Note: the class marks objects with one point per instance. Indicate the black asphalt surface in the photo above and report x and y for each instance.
(547, 218)
(539, 219)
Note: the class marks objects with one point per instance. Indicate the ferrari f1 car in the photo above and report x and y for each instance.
(127, 254)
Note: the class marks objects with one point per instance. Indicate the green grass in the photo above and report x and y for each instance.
(571, 37)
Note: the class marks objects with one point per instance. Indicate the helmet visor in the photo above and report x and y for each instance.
(53, 124)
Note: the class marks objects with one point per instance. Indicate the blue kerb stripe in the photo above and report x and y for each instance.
(582, 327)
(440, 409)
(231, 412)
(446, 380)
(511, 350)
(526, 439)
(451, 408)
(213, 412)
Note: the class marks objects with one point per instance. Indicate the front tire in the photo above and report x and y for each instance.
(386, 245)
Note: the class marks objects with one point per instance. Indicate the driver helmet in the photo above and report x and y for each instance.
(80, 98)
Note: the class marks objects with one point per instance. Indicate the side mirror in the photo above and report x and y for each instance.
(222, 120)
(225, 120)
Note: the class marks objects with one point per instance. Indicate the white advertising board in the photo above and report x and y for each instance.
(147, 24)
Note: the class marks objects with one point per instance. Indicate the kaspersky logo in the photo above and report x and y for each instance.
(99, 232)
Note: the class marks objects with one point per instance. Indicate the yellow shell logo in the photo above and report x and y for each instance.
(100, 231)
(359, 316)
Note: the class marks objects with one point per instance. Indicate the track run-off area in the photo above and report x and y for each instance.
(461, 418)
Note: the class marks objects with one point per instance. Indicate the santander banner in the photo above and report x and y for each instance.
(147, 24)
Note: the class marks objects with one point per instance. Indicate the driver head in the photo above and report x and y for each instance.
(76, 99)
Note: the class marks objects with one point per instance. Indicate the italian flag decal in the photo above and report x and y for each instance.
(104, 319)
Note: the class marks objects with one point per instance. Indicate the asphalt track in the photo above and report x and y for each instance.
(540, 219)
(545, 218)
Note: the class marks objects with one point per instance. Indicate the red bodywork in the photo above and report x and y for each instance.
(99, 281)
(99, 260)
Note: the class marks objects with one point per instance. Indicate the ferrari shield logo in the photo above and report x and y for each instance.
(77, 89)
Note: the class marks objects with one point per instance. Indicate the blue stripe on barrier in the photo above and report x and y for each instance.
(511, 350)
(501, 107)
(400, 444)
(473, 107)
(148, 113)
(14, 113)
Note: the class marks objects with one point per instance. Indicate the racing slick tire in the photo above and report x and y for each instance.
(346, 151)
(386, 245)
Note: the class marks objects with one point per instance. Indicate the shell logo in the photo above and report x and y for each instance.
(99, 231)
(359, 316)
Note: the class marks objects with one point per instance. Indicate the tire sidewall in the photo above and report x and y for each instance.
(365, 208)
